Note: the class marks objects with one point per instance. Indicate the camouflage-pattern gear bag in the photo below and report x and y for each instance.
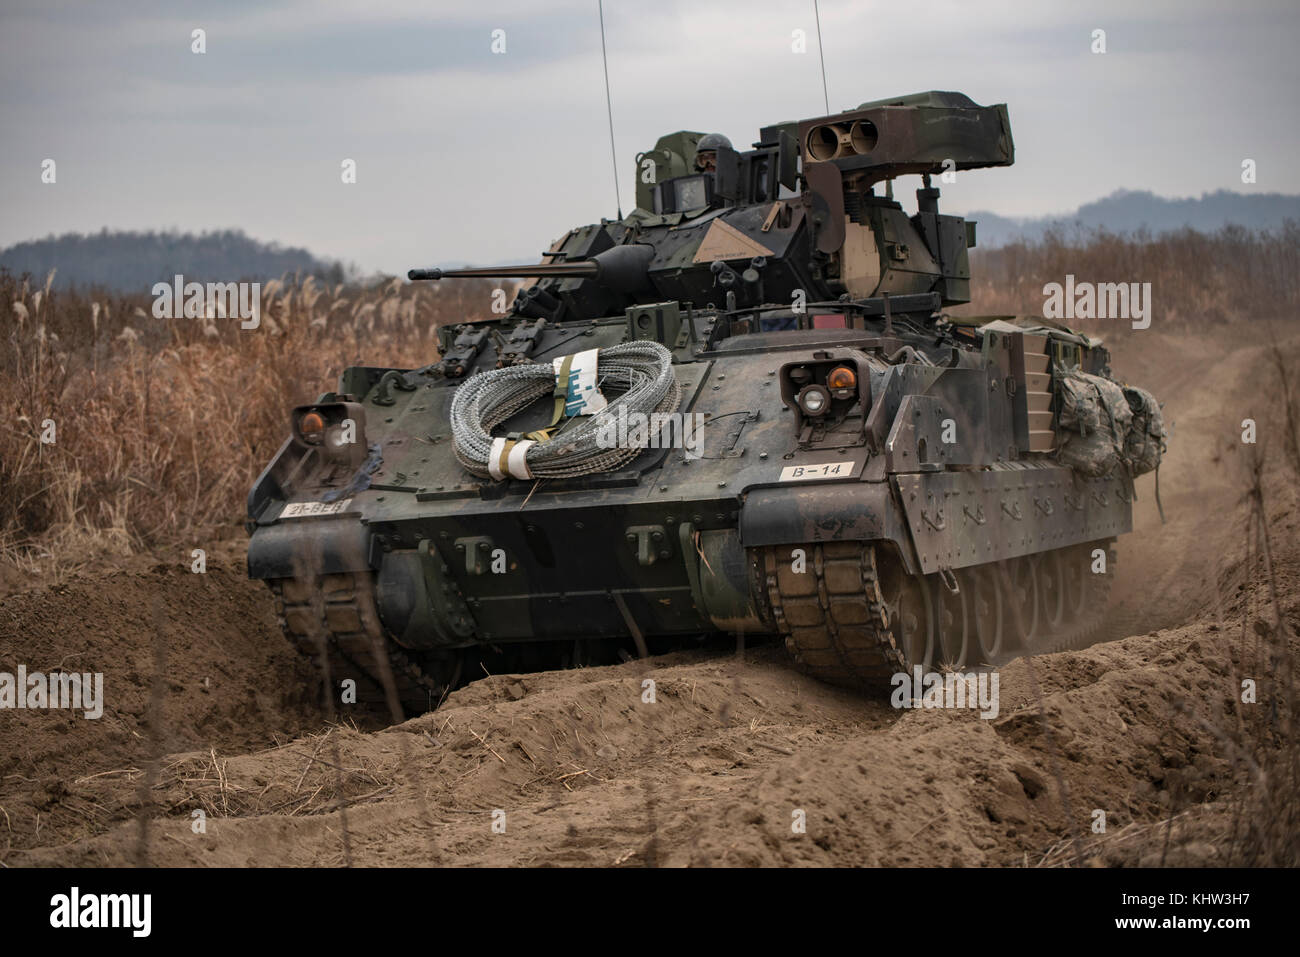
(1095, 419)
(1146, 436)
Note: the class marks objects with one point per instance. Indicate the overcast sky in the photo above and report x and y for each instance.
(463, 154)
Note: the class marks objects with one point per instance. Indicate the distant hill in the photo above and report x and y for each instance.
(1127, 211)
(134, 261)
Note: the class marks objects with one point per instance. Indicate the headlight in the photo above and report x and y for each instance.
(814, 400)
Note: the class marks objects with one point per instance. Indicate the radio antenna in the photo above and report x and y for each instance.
(821, 54)
(609, 105)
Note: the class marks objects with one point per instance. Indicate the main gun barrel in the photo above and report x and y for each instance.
(622, 268)
(537, 270)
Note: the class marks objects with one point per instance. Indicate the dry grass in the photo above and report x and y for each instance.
(1264, 741)
(1194, 276)
(162, 425)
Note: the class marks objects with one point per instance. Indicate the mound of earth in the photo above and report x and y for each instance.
(230, 681)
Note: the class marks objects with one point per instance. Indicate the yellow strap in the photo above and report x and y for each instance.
(561, 390)
(503, 460)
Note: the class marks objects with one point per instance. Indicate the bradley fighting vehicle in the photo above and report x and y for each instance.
(882, 485)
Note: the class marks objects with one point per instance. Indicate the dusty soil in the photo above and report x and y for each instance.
(581, 770)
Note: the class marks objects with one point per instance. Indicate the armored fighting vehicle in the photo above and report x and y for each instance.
(741, 409)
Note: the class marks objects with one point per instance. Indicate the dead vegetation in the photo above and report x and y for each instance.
(1194, 276)
(1262, 739)
(160, 426)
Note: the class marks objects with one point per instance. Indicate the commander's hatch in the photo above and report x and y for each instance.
(739, 179)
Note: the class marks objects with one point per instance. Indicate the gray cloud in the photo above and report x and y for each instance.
(465, 155)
